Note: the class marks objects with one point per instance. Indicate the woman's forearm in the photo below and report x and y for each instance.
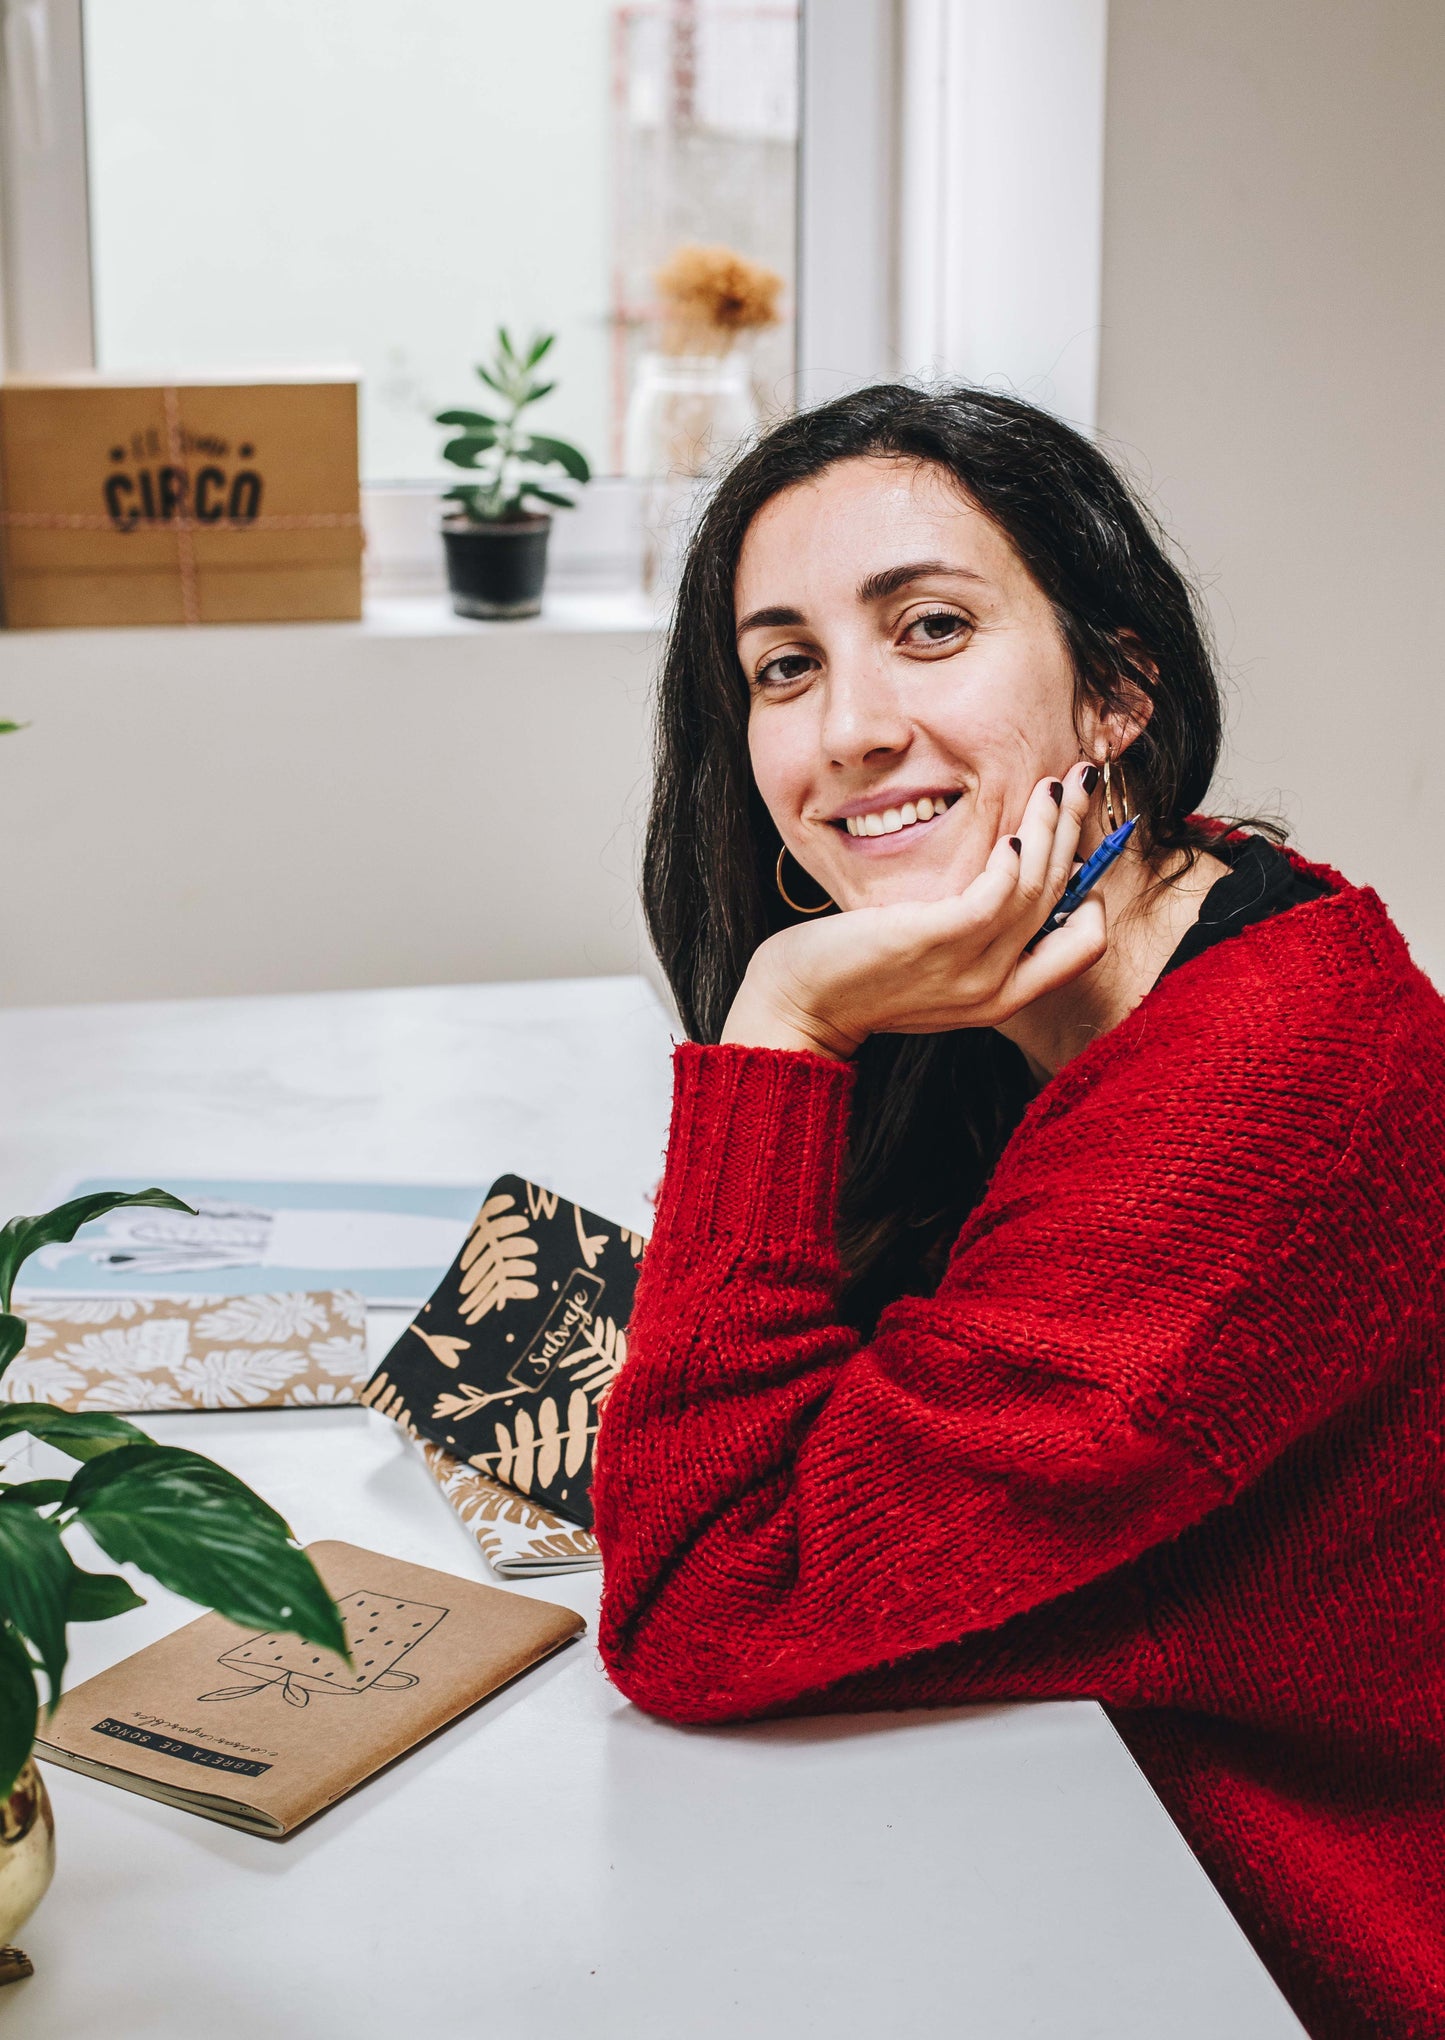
(782, 1506)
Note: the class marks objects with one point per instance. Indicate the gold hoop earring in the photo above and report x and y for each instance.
(793, 903)
(1115, 821)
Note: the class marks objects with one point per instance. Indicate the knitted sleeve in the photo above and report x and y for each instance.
(782, 1507)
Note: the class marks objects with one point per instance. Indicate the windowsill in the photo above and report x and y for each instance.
(597, 612)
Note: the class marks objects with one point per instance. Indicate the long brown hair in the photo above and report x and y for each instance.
(931, 1113)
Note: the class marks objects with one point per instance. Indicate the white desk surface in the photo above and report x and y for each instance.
(556, 1864)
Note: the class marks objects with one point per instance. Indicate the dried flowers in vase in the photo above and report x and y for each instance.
(710, 296)
(692, 401)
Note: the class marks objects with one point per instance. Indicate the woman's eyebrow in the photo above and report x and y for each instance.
(890, 579)
(886, 582)
(771, 619)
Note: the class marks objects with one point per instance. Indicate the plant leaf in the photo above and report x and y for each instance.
(20, 1238)
(538, 348)
(8, 729)
(462, 451)
(563, 452)
(505, 340)
(536, 392)
(95, 1597)
(79, 1437)
(35, 1570)
(201, 1532)
(549, 496)
(490, 380)
(464, 418)
(18, 1710)
(34, 1494)
(12, 1337)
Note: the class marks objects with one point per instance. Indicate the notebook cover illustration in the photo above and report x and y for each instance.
(509, 1364)
(303, 1349)
(520, 1539)
(263, 1731)
(379, 1633)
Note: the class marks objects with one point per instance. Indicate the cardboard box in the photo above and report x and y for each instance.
(125, 501)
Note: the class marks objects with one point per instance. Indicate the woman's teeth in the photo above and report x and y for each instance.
(890, 820)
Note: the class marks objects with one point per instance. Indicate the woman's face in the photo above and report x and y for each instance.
(909, 682)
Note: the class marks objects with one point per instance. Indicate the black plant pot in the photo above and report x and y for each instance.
(496, 569)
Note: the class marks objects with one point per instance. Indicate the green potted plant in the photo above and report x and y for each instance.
(185, 1521)
(496, 540)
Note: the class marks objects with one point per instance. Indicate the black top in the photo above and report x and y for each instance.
(1260, 881)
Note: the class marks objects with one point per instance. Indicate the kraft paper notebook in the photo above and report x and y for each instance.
(507, 1368)
(296, 1350)
(261, 1730)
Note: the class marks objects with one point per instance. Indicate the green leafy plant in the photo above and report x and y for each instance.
(184, 1520)
(520, 470)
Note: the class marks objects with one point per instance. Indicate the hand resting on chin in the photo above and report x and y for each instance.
(929, 967)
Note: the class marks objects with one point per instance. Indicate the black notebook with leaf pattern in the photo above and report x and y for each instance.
(509, 1364)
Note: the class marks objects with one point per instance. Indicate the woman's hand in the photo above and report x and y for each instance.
(827, 985)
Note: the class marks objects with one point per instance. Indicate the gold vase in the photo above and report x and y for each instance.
(27, 1863)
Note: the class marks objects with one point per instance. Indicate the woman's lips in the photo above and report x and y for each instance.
(894, 845)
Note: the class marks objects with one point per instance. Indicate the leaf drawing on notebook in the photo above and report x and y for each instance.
(590, 1244)
(524, 1451)
(478, 1499)
(633, 1241)
(38, 1380)
(264, 1320)
(134, 1392)
(442, 1347)
(596, 1361)
(381, 1393)
(497, 1261)
(467, 1400)
(233, 1378)
(342, 1356)
(563, 1544)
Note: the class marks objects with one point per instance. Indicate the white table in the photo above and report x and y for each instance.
(557, 1864)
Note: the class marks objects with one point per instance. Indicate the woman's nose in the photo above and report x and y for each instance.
(863, 717)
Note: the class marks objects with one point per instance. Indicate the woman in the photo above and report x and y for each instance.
(1037, 1321)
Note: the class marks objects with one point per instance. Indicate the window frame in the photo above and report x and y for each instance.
(844, 271)
(887, 220)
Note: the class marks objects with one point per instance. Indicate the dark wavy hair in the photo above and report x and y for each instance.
(931, 1113)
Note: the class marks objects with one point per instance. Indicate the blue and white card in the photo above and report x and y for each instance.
(391, 1241)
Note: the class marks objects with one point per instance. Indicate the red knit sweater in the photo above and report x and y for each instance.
(1169, 1435)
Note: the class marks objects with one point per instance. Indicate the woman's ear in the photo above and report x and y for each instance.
(1115, 723)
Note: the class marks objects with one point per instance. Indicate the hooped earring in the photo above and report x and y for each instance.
(1115, 821)
(793, 903)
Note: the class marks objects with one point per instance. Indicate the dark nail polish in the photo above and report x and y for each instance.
(1091, 778)
(1056, 788)
(1015, 845)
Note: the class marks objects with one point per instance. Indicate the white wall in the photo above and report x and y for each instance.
(306, 808)
(1273, 363)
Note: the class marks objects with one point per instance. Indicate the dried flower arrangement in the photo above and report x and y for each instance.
(709, 296)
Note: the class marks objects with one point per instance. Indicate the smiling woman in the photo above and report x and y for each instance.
(1034, 1313)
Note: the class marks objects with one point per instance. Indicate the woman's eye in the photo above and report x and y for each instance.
(784, 670)
(936, 628)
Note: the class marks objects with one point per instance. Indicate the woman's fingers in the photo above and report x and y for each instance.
(1037, 829)
(1048, 837)
(1072, 814)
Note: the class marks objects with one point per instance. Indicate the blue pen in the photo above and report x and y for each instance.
(1086, 878)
